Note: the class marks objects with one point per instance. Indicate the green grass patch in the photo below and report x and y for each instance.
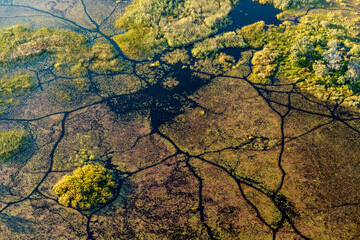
(154, 25)
(211, 46)
(254, 34)
(11, 87)
(140, 43)
(11, 143)
(71, 51)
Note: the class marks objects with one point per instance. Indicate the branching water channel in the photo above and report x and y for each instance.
(192, 134)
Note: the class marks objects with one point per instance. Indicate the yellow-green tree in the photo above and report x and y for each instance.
(87, 187)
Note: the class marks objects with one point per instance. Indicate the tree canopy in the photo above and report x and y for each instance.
(87, 187)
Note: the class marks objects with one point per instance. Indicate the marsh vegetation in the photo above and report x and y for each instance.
(154, 26)
(11, 143)
(167, 127)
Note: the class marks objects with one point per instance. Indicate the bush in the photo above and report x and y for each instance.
(301, 51)
(88, 187)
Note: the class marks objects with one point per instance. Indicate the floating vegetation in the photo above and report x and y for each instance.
(178, 55)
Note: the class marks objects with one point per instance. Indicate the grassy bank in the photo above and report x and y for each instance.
(154, 25)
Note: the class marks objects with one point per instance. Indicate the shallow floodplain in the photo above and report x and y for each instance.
(199, 146)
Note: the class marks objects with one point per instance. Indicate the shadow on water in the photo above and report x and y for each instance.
(164, 104)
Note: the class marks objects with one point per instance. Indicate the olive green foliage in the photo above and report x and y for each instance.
(264, 65)
(78, 159)
(104, 59)
(11, 143)
(302, 51)
(178, 55)
(226, 61)
(12, 87)
(286, 4)
(88, 187)
(83, 156)
(254, 34)
(321, 52)
(71, 51)
(212, 45)
(20, 42)
(153, 25)
(140, 43)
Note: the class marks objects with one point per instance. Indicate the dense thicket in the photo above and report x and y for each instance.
(88, 186)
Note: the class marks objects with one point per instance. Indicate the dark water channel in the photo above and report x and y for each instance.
(166, 104)
(247, 12)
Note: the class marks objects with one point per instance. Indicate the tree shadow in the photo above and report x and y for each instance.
(17, 224)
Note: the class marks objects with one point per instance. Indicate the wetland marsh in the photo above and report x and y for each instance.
(190, 119)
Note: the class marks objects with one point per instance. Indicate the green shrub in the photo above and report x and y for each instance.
(88, 187)
(302, 51)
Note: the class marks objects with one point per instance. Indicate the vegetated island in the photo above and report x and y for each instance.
(103, 126)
